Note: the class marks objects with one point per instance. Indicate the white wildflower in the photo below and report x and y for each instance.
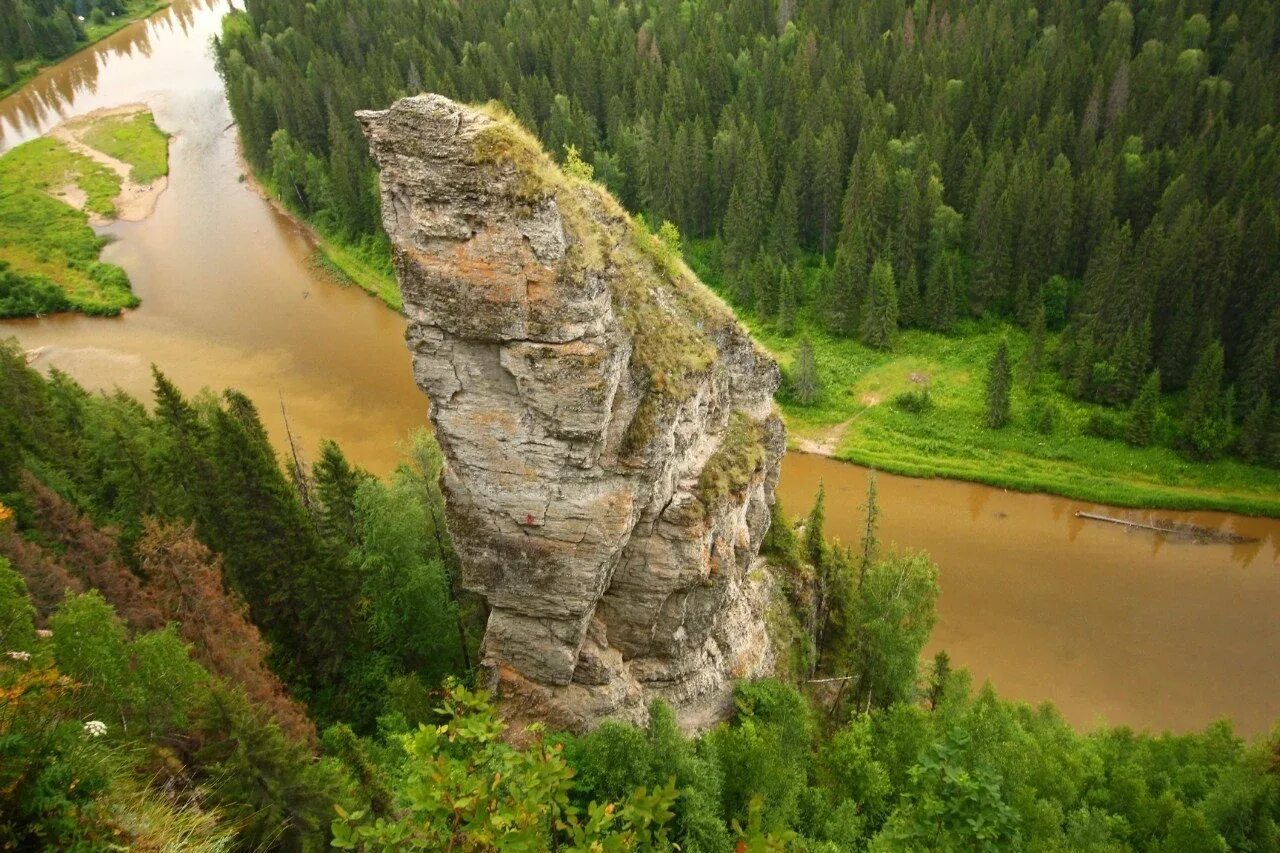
(95, 728)
(44, 633)
(18, 655)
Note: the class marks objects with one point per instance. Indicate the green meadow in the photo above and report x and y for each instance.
(860, 417)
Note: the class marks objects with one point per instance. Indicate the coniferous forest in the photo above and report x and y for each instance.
(1106, 171)
(211, 643)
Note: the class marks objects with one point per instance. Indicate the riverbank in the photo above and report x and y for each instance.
(366, 267)
(134, 10)
(101, 167)
(856, 419)
(859, 417)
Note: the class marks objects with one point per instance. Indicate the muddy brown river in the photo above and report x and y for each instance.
(1110, 625)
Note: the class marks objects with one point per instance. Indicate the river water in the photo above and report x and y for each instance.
(1110, 625)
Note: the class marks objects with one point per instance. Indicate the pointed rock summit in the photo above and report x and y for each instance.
(609, 432)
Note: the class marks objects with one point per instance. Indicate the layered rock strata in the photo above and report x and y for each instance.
(609, 432)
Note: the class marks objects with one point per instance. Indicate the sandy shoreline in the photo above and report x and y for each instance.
(135, 201)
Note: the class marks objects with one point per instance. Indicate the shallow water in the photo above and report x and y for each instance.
(1106, 623)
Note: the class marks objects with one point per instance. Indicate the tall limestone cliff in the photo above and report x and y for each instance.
(609, 432)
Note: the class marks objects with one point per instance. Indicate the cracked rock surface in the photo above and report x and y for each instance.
(608, 428)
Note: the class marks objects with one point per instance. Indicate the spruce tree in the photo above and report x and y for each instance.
(1271, 443)
(1253, 431)
(814, 543)
(870, 540)
(942, 292)
(1033, 359)
(1144, 411)
(880, 315)
(745, 222)
(1207, 421)
(786, 302)
(848, 280)
(806, 385)
(784, 233)
(336, 482)
(999, 386)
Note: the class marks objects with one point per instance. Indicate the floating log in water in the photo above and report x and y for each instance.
(1194, 532)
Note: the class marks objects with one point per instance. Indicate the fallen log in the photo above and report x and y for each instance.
(1196, 533)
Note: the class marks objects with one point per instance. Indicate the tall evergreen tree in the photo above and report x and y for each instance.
(1144, 411)
(806, 384)
(880, 315)
(999, 386)
(1206, 427)
(787, 299)
(1253, 431)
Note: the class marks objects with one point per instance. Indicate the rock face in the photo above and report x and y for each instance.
(609, 432)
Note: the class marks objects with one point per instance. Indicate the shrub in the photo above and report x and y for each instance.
(1044, 415)
(916, 401)
(1104, 425)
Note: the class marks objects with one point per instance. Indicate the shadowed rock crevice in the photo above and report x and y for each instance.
(609, 432)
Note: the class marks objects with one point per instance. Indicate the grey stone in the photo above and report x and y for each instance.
(581, 383)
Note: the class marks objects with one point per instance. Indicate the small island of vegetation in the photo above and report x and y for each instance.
(91, 170)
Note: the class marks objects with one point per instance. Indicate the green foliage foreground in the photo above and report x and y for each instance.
(140, 555)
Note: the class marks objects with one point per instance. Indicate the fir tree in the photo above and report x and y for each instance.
(336, 483)
(880, 315)
(1144, 411)
(848, 281)
(814, 542)
(1253, 431)
(806, 384)
(942, 292)
(784, 233)
(1033, 358)
(999, 385)
(786, 302)
(870, 543)
(1207, 421)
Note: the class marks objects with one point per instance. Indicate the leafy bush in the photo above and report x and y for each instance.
(1105, 425)
(466, 788)
(916, 400)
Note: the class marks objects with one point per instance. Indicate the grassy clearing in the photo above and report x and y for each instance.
(48, 242)
(948, 439)
(134, 10)
(132, 139)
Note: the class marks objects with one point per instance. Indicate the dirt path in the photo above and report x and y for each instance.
(826, 441)
(135, 201)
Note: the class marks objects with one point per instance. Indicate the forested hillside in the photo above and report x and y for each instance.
(1107, 171)
(203, 649)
